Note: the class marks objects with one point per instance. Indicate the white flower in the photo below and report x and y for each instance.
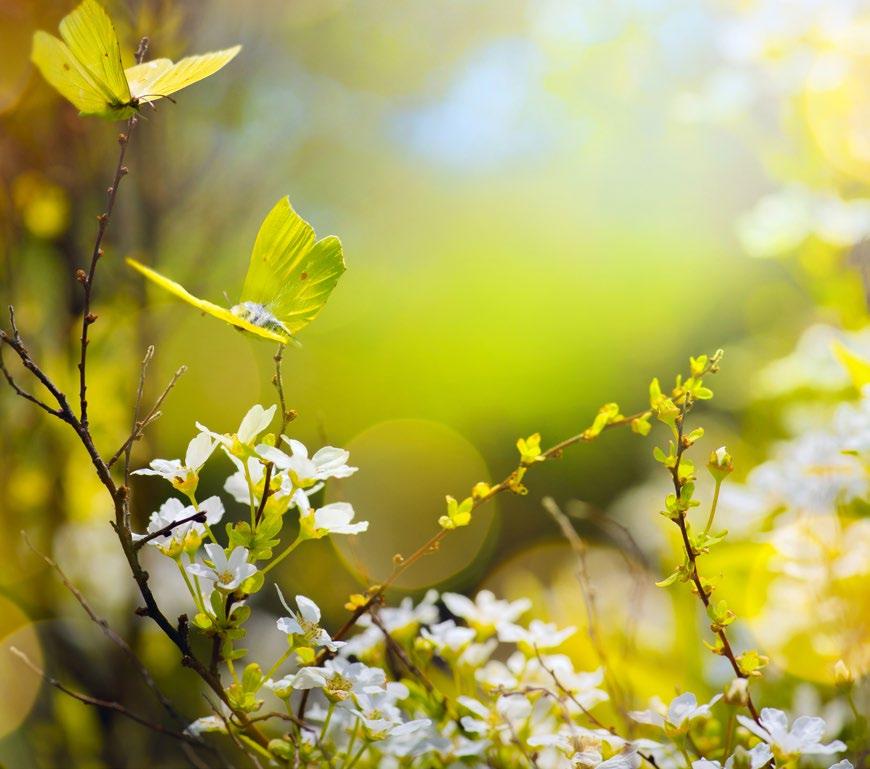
(184, 477)
(400, 621)
(485, 612)
(334, 518)
(253, 423)
(206, 724)
(758, 757)
(328, 462)
(680, 713)
(539, 635)
(341, 681)
(186, 536)
(225, 573)
(304, 623)
(628, 760)
(804, 736)
(486, 721)
(380, 716)
(448, 638)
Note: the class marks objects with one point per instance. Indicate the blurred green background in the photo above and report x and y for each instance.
(542, 205)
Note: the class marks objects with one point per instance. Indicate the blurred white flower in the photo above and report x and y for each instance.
(804, 736)
(679, 715)
(758, 757)
(485, 613)
(538, 635)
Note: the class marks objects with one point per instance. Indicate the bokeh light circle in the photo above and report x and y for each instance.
(815, 609)
(406, 468)
(838, 112)
(19, 685)
(636, 621)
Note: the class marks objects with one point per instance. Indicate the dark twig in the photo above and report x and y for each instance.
(199, 517)
(107, 704)
(267, 492)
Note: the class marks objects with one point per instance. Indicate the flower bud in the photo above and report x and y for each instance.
(843, 677)
(737, 692)
(720, 464)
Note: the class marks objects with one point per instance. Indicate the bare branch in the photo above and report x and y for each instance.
(108, 631)
(152, 415)
(107, 704)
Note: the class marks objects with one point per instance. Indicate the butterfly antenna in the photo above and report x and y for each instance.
(226, 296)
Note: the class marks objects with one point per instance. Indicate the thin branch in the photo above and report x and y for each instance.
(402, 656)
(267, 491)
(108, 631)
(106, 704)
(139, 426)
(278, 381)
(197, 517)
(143, 371)
(87, 278)
(587, 591)
(23, 393)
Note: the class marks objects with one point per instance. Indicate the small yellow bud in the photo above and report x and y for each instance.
(843, 677)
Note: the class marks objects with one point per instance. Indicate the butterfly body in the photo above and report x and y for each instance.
(259, 316)
(85, 66)
(290, 276)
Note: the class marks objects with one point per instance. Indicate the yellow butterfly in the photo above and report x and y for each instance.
(290, 277)
(85, 66)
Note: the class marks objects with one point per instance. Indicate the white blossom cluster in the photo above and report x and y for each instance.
(449, 681)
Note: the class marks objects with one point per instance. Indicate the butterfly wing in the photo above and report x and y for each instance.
(290, 273)
(61, 69)
(216, 311)
(90, 36)
(158, 78)
(140, 76)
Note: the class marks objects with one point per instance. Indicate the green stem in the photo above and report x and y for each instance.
(193, 593)
(289, 549)
(277, 664)
(729, 734)
(353, 737)
(326, 721)
(250, 494)
(362, 749)
(685, 754)
(713, 506)
(208, 531)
